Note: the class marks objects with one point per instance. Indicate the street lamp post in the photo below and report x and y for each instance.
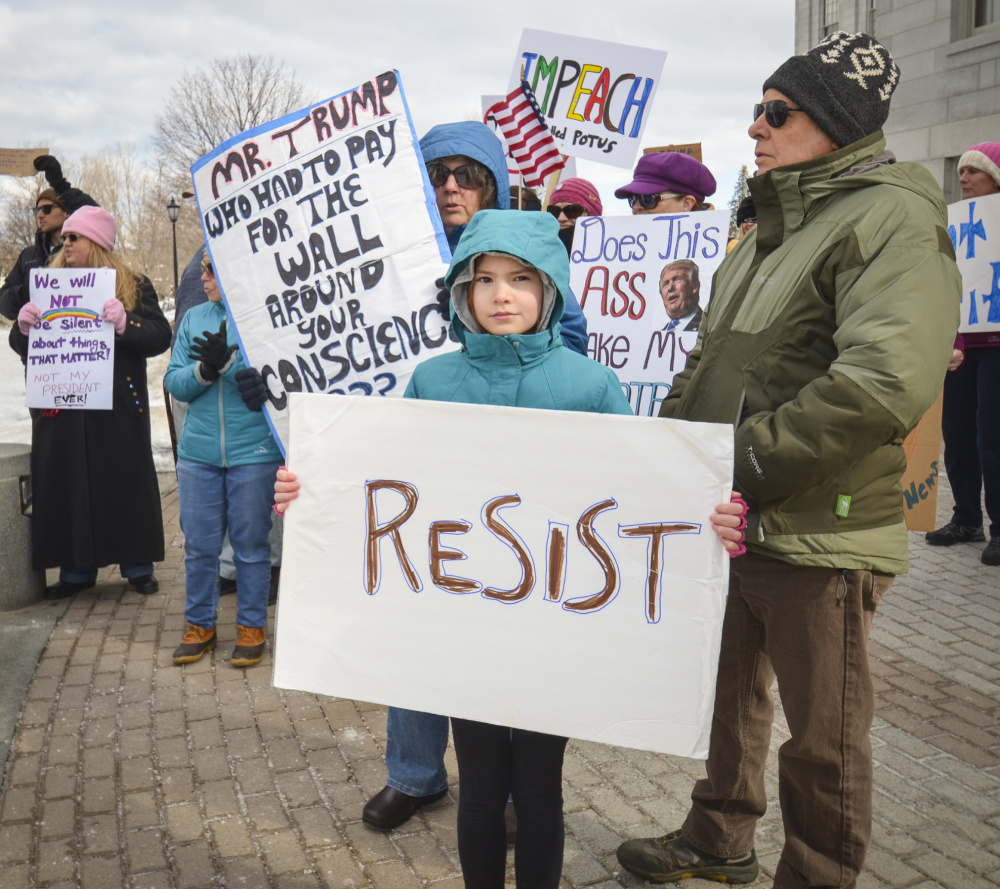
(173, 210)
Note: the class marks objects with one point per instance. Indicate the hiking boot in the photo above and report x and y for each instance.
(991, 555)
(195, 643)
(951, 534)
(249, 648)
(670, 858)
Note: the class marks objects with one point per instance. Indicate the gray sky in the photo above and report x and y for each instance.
(78, 77)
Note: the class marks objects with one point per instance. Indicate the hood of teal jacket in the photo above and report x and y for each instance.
(532, 237)
(475, 140)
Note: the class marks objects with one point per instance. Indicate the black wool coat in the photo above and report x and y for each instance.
(95, 498)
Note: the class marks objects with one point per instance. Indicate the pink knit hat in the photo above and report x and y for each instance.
(985, 157)
(94, 223)
(578, 191)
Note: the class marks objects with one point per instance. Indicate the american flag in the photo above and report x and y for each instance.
(531, 144)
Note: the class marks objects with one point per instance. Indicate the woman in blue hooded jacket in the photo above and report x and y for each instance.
(468, 169)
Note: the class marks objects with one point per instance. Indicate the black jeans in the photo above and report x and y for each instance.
(495, 762)
(971, 426)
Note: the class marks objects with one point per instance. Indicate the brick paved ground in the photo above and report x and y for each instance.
(129, 771)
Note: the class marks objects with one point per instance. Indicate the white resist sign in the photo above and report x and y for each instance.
(71, 351)
(562, 566)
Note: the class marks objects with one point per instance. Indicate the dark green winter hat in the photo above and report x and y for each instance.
(843, 84)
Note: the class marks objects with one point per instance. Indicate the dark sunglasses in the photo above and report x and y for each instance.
(649, 201)
(206, 266)
(72, 237)
(465, 176)
(44, 209)
(570, 211)
(775, 112)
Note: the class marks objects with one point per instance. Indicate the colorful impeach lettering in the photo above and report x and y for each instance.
(596, 95)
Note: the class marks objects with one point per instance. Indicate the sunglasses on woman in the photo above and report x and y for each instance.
(570, 211)
(206, 266)
(465, 176)
(775, 112)
(44, 209)
(72, 237)
(649, 201)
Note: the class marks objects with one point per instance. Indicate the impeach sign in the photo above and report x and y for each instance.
(325, 235)
(596, 96)
(582, 595)
(71, 350)
(643, 283)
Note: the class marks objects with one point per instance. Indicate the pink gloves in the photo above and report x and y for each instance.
(28, 317)
(114, 312)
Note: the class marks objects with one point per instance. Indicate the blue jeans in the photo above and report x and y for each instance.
(212, 500)
(414, 751)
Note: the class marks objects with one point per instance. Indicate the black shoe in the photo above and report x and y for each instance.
(670, 858)
(991, 555)
(146, 584)
(63, 589)
(390, 808)
(951, 534)
(227, 585)
(272, 594)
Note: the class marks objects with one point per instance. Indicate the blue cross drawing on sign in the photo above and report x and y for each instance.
(970, 231)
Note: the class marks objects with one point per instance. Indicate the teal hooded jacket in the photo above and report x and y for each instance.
(476, 140)
(521, 370)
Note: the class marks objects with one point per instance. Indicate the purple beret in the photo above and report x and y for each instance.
(669, 171)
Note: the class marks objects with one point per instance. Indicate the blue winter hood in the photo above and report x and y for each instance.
(475, 140)
(528, 235)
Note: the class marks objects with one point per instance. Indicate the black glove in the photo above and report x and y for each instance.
(71, 198)
(252, 388)
(213, 352)
(443, 299)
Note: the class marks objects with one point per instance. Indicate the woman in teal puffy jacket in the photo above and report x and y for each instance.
(226, 460)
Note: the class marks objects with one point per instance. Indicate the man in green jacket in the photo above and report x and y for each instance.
(827, 337)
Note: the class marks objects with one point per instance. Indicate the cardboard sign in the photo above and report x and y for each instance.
(596, 96)
(974, 227)
(326, 239)
(693, 149)
(616, 268)
(919, 482)
(71, 351)
(19, 161)
(565, 592)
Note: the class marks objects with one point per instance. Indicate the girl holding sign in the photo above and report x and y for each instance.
(96, 500)
(509, 281)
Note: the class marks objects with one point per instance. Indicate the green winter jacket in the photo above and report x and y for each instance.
(827, 338)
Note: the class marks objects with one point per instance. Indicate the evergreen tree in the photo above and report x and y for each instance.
(739, 192)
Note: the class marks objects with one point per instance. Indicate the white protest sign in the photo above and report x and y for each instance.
(974, 227)
(596, 96)
(71, 352)
(643, 282)
(326, 239)
(561, 566)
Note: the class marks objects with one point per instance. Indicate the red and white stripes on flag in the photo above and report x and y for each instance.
(531, 144)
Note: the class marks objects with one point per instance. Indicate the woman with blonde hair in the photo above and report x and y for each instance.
(95, 496)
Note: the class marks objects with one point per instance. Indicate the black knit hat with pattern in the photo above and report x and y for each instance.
(843, 84)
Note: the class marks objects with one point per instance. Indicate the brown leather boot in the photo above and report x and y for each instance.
(195, 643)
(249, 648)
